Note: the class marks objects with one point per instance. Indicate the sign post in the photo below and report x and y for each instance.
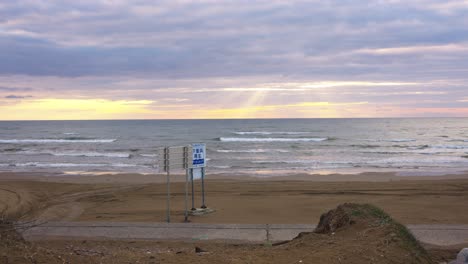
(186, 161)
(203, 187)
(193, 190)
(193, 160)
(168, 198)
(199, 162)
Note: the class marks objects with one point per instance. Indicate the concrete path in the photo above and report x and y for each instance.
(441, 235)
(432, 234)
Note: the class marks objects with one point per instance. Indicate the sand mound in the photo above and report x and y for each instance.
(334, 219)
(361, 233)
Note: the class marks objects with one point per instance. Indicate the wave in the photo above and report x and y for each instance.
(458, 140)
(89, 154)
(400, 140)
(415, 147)
(365, 146)
(268, 133)
(71, 133)
(433, 160)
(68, 140)
(149, 155)
(65, 165)
(70, 154)
(94, 154)
(387, 161)
(385, 152)
(449, 147)
(284, 161)
(390, 140)
(11, 150)
(251, 150)
(227, 139)
(221, 167)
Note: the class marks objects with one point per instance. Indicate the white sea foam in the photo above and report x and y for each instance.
(391, 140)
(123, 165)
(228, 139)
(220, 167)
(64, 165)
(416, 161)
(42, 141)
(387, 161)
(76, 154)
(71, 133)
(284, 161)
(268, 133)
(149, 155)
(241, 151)
(91, 154)
(251, 150)
(401, 140)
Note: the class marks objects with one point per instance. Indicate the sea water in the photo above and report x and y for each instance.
(254, 146)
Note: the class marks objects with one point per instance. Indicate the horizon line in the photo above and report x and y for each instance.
(273, 118)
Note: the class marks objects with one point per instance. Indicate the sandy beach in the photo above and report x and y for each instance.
(298, 199)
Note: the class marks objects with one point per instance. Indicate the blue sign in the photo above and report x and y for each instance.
(198, 155)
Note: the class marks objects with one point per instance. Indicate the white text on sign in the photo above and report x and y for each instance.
(198, 155)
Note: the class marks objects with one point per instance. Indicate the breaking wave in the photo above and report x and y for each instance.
(43, 141)
(65, 165)
(268, 133)
(228, 139)
(82, 154)
(149, 155)
(251, 150)
(391, 140)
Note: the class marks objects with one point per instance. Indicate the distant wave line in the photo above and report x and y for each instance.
(388, 161)
(78, 154)
(42, 141)
(391, 140)
(251, 150)
(64, 165)
(268, 133)
(227, 139)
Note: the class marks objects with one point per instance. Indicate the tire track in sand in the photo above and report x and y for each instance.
(70, 206)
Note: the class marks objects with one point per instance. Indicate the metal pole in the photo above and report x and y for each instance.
(168, 201)
(186, 183)
(193, 191)
(203, 187)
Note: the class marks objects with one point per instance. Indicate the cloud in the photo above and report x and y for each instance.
(15, 89)
(225, 38)
(17, 96)
(448, 48)
(237, 54)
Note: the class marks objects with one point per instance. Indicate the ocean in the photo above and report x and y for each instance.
(259, 147)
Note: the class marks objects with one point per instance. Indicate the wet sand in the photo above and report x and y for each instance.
(245, 200)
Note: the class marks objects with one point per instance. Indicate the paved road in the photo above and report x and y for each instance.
(432, 234)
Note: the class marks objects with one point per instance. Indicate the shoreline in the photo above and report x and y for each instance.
(92, 178)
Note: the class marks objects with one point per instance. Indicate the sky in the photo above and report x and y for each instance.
(181, 59)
